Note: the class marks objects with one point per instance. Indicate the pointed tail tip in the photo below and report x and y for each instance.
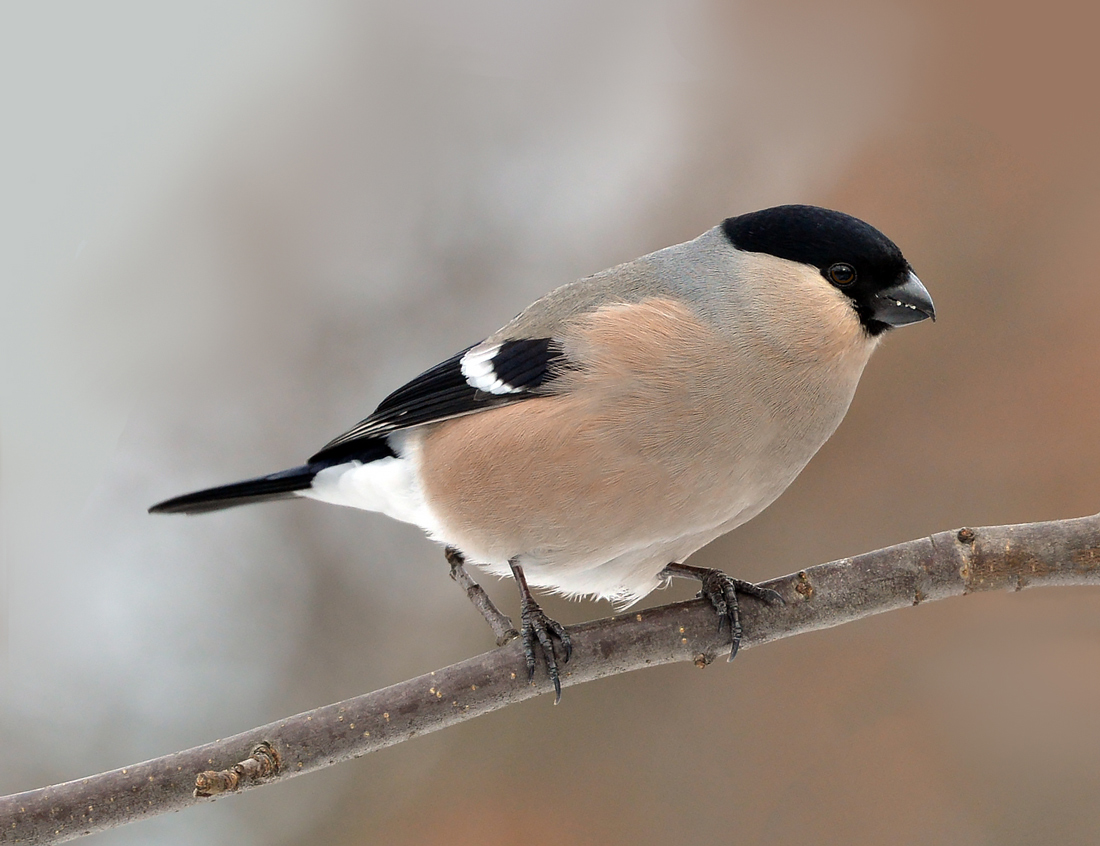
(196, 503)
(166, 507)
(282, 485)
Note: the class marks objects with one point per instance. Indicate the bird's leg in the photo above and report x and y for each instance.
(540, 629)
(501, 624)
(721, 590)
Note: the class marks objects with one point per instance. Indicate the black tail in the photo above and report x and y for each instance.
(280, 485)
(276, 486)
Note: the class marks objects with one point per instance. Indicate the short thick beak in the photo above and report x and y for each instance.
(903, 304)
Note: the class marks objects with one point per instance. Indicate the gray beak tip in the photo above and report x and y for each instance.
(908, 302)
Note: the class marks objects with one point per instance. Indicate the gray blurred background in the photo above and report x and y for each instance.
(229, 229)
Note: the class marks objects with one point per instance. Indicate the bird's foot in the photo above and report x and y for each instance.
(539, 632)
(721, 591)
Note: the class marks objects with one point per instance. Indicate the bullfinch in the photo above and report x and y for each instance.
(625, 420)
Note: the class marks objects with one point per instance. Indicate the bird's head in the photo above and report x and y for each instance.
(852, 256)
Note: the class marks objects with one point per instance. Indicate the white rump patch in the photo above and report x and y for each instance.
(389, 486)
(477, 367)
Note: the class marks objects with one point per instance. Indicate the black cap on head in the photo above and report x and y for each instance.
(852, 255)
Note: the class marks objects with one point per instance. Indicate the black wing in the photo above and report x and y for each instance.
(515, 371)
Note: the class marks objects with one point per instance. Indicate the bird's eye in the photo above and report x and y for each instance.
(842, 274)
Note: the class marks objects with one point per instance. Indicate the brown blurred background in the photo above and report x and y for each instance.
(230, 228)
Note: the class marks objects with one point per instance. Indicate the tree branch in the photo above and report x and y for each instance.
(1063, 552)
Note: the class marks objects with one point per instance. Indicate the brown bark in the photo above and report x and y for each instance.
(1063, 552)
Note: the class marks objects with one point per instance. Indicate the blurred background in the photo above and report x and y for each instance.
(229, 229)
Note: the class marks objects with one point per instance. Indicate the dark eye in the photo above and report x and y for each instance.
(842, 274)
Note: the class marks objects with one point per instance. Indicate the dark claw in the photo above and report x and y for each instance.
(537, 627)
(721, 590)
(772, 597)
(540, 629)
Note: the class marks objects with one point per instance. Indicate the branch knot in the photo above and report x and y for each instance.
(262, 762)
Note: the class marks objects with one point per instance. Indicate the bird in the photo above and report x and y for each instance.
(623, 421)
